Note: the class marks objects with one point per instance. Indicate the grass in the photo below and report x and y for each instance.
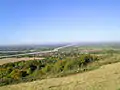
(105, 75)
(7, 60)
(105, 78)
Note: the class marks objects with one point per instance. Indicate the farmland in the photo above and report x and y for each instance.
(83, 67)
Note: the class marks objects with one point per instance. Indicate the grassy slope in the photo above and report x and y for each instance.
(105, 78)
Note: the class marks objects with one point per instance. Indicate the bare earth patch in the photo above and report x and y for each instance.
(7, 60)
(105, 78)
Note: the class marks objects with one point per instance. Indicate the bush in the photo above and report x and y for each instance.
(24, 71)
(47, 68)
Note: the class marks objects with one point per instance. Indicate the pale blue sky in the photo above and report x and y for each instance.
(56, 21)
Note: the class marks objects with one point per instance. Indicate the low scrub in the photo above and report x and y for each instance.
(24, 71)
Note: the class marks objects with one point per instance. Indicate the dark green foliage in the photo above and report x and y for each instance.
(24, 71)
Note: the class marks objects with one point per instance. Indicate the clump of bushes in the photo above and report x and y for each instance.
(24, 71)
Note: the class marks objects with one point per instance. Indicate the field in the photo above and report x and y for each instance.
(105, 78)
(72, 68)
(8, 60)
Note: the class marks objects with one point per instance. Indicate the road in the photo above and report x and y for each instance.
(41, 52)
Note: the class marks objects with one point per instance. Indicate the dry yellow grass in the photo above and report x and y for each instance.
(7, 60)
(105, 78)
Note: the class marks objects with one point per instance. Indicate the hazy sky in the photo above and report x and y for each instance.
(48, 21)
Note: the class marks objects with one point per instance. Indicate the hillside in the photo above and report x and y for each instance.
(105, 78)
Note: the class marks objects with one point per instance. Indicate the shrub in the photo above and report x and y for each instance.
(59, 65)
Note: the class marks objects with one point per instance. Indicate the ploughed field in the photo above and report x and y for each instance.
(13, 59)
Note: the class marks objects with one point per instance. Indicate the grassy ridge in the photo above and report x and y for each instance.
(54, 66)
(24, 71)
(105, 78)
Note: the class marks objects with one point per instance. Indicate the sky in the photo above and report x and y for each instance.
(59, 21)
